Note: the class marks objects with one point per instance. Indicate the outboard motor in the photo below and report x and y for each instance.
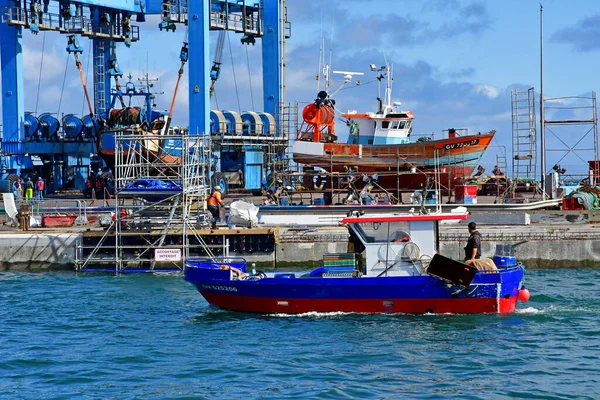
(505, 256)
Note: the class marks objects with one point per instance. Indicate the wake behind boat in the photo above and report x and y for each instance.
(380, 143)
(392, 271)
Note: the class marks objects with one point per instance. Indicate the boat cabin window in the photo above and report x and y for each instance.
(382, 232)
(400, 237)
(395, 124)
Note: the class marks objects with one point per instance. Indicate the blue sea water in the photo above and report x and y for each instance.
(99, 336)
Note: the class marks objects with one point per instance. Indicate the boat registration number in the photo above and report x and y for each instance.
(221, 288)
(460, 145)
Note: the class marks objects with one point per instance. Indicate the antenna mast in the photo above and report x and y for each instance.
(542, 116)
(388, 85)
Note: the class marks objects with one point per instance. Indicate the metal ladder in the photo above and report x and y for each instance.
(287, 117)
(501, 159)
(100, 76)
(524, 134)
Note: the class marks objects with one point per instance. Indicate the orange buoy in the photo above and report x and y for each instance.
(320, 120)
(524, 295)
(323, 115)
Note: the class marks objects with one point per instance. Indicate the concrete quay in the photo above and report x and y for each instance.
(37, 251)
(536, 247)
(563, 241)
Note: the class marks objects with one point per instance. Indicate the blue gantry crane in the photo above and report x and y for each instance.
(61, 146)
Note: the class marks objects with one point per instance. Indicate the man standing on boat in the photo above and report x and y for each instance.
(214, 202)
(473, 248)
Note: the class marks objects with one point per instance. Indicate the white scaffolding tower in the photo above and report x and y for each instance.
(571, 131)
(524, 148)
(161, 188)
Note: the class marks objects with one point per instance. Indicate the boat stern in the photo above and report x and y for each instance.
(511, 287)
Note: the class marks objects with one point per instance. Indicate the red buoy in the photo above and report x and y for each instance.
(524, 295)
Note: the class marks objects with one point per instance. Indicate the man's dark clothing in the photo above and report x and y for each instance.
(214, 211)
(474, 242)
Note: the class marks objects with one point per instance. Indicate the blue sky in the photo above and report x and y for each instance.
(455, 62)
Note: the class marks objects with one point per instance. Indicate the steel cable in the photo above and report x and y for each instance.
(249, 77)
(37, 101)
(237, 94)
(87, 76)
(62, 90)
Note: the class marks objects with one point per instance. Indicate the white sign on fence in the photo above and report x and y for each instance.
(166, 255)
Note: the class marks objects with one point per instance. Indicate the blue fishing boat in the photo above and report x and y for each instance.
(395, 268)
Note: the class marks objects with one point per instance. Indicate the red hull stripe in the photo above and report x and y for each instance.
(508, 305)
(265, 305)
(407, 217)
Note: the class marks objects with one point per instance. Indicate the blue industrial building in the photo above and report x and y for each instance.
(64, 148)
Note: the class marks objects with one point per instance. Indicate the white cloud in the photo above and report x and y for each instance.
(487, 90)
(52, 67)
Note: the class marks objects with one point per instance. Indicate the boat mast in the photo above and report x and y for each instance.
(324, 68)
(379, 89)
(380, 76)
(542, 117)
(320, 67)
(327, 76)
(388, 86)
(384, 104)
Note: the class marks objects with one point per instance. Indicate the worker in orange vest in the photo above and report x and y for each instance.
(214, 202)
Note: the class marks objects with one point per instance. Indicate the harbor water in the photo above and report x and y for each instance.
(99, 336)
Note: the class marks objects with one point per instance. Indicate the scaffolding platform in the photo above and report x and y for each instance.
(174, 232)
(77, 24)
(161, 188)
(224, 15)
(571, 140)
(134, 244)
